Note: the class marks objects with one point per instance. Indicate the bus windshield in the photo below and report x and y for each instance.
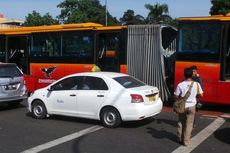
(199, 42)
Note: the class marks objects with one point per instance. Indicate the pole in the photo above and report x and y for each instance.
(106, 12)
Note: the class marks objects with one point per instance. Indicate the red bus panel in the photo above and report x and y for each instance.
(223, 92)
(215, 91)
(42, 74)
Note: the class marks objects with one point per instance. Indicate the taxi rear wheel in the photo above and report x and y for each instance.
(110, 117)
(39, 110)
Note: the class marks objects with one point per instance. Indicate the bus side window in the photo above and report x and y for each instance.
(46, 45)
(78, 45)
(108, 51)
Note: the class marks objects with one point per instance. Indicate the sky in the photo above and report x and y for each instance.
(19, 9)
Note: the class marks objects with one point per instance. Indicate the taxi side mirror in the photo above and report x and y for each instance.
(50, 88)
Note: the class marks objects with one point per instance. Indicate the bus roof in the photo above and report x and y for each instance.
(62, 27)
(206, 18)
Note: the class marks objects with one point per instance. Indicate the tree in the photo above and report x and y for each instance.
(220, 7)
(157, 14)
(35, 19)
(78, 11)
(129, 17)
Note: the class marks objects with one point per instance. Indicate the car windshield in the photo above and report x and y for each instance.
(129, 82)
(9, 71)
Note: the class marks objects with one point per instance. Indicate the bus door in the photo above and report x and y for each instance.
(17, 52)
(227, 66)
(224, 85)
(223, 95)
(227, 57)
(108, 50)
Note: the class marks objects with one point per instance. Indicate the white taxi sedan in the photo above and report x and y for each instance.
(106, 96)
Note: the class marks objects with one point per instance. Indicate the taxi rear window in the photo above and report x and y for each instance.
(129, 82)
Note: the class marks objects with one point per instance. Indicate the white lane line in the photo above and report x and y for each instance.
(201, 136)
(62, 140)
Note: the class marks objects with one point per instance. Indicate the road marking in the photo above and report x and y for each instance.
(201, 136)
(62, 140)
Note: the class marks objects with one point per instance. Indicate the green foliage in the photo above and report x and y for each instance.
(158, 13)
(78, 11)
(220, 7)
(35, 19)
(129, 18)
(173, 22)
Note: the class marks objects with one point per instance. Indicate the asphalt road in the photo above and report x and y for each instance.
(20, 132)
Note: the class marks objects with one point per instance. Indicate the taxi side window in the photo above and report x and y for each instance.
(71, 83)
(93, 83)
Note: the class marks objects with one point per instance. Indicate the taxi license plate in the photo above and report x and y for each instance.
(152, 98)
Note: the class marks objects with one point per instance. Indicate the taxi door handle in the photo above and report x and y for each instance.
(72, 95)
(100, 96)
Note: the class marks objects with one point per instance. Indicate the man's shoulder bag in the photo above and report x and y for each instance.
(179, 104)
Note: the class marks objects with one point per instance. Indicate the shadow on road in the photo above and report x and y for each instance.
(6, 107)
(136, 124)
(223, 134)
(69, 119)
(166, 121)
(162, 134)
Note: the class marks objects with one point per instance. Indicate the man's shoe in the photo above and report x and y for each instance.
(186, 143)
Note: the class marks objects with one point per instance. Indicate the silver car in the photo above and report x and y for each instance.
(12, 85)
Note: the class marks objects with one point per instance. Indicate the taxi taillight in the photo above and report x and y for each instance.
(136, 98)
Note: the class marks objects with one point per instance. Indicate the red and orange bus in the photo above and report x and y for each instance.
(47, 53)
(205, 42)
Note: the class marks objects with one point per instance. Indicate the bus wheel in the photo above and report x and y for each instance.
(39, 110)
(110, 117)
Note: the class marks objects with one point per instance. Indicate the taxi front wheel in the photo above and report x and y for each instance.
(39, 110)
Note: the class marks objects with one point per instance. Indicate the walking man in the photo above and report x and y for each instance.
(186, 119)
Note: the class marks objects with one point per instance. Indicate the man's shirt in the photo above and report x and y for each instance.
(183, 87)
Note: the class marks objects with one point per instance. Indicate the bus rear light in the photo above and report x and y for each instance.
(136, 98)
